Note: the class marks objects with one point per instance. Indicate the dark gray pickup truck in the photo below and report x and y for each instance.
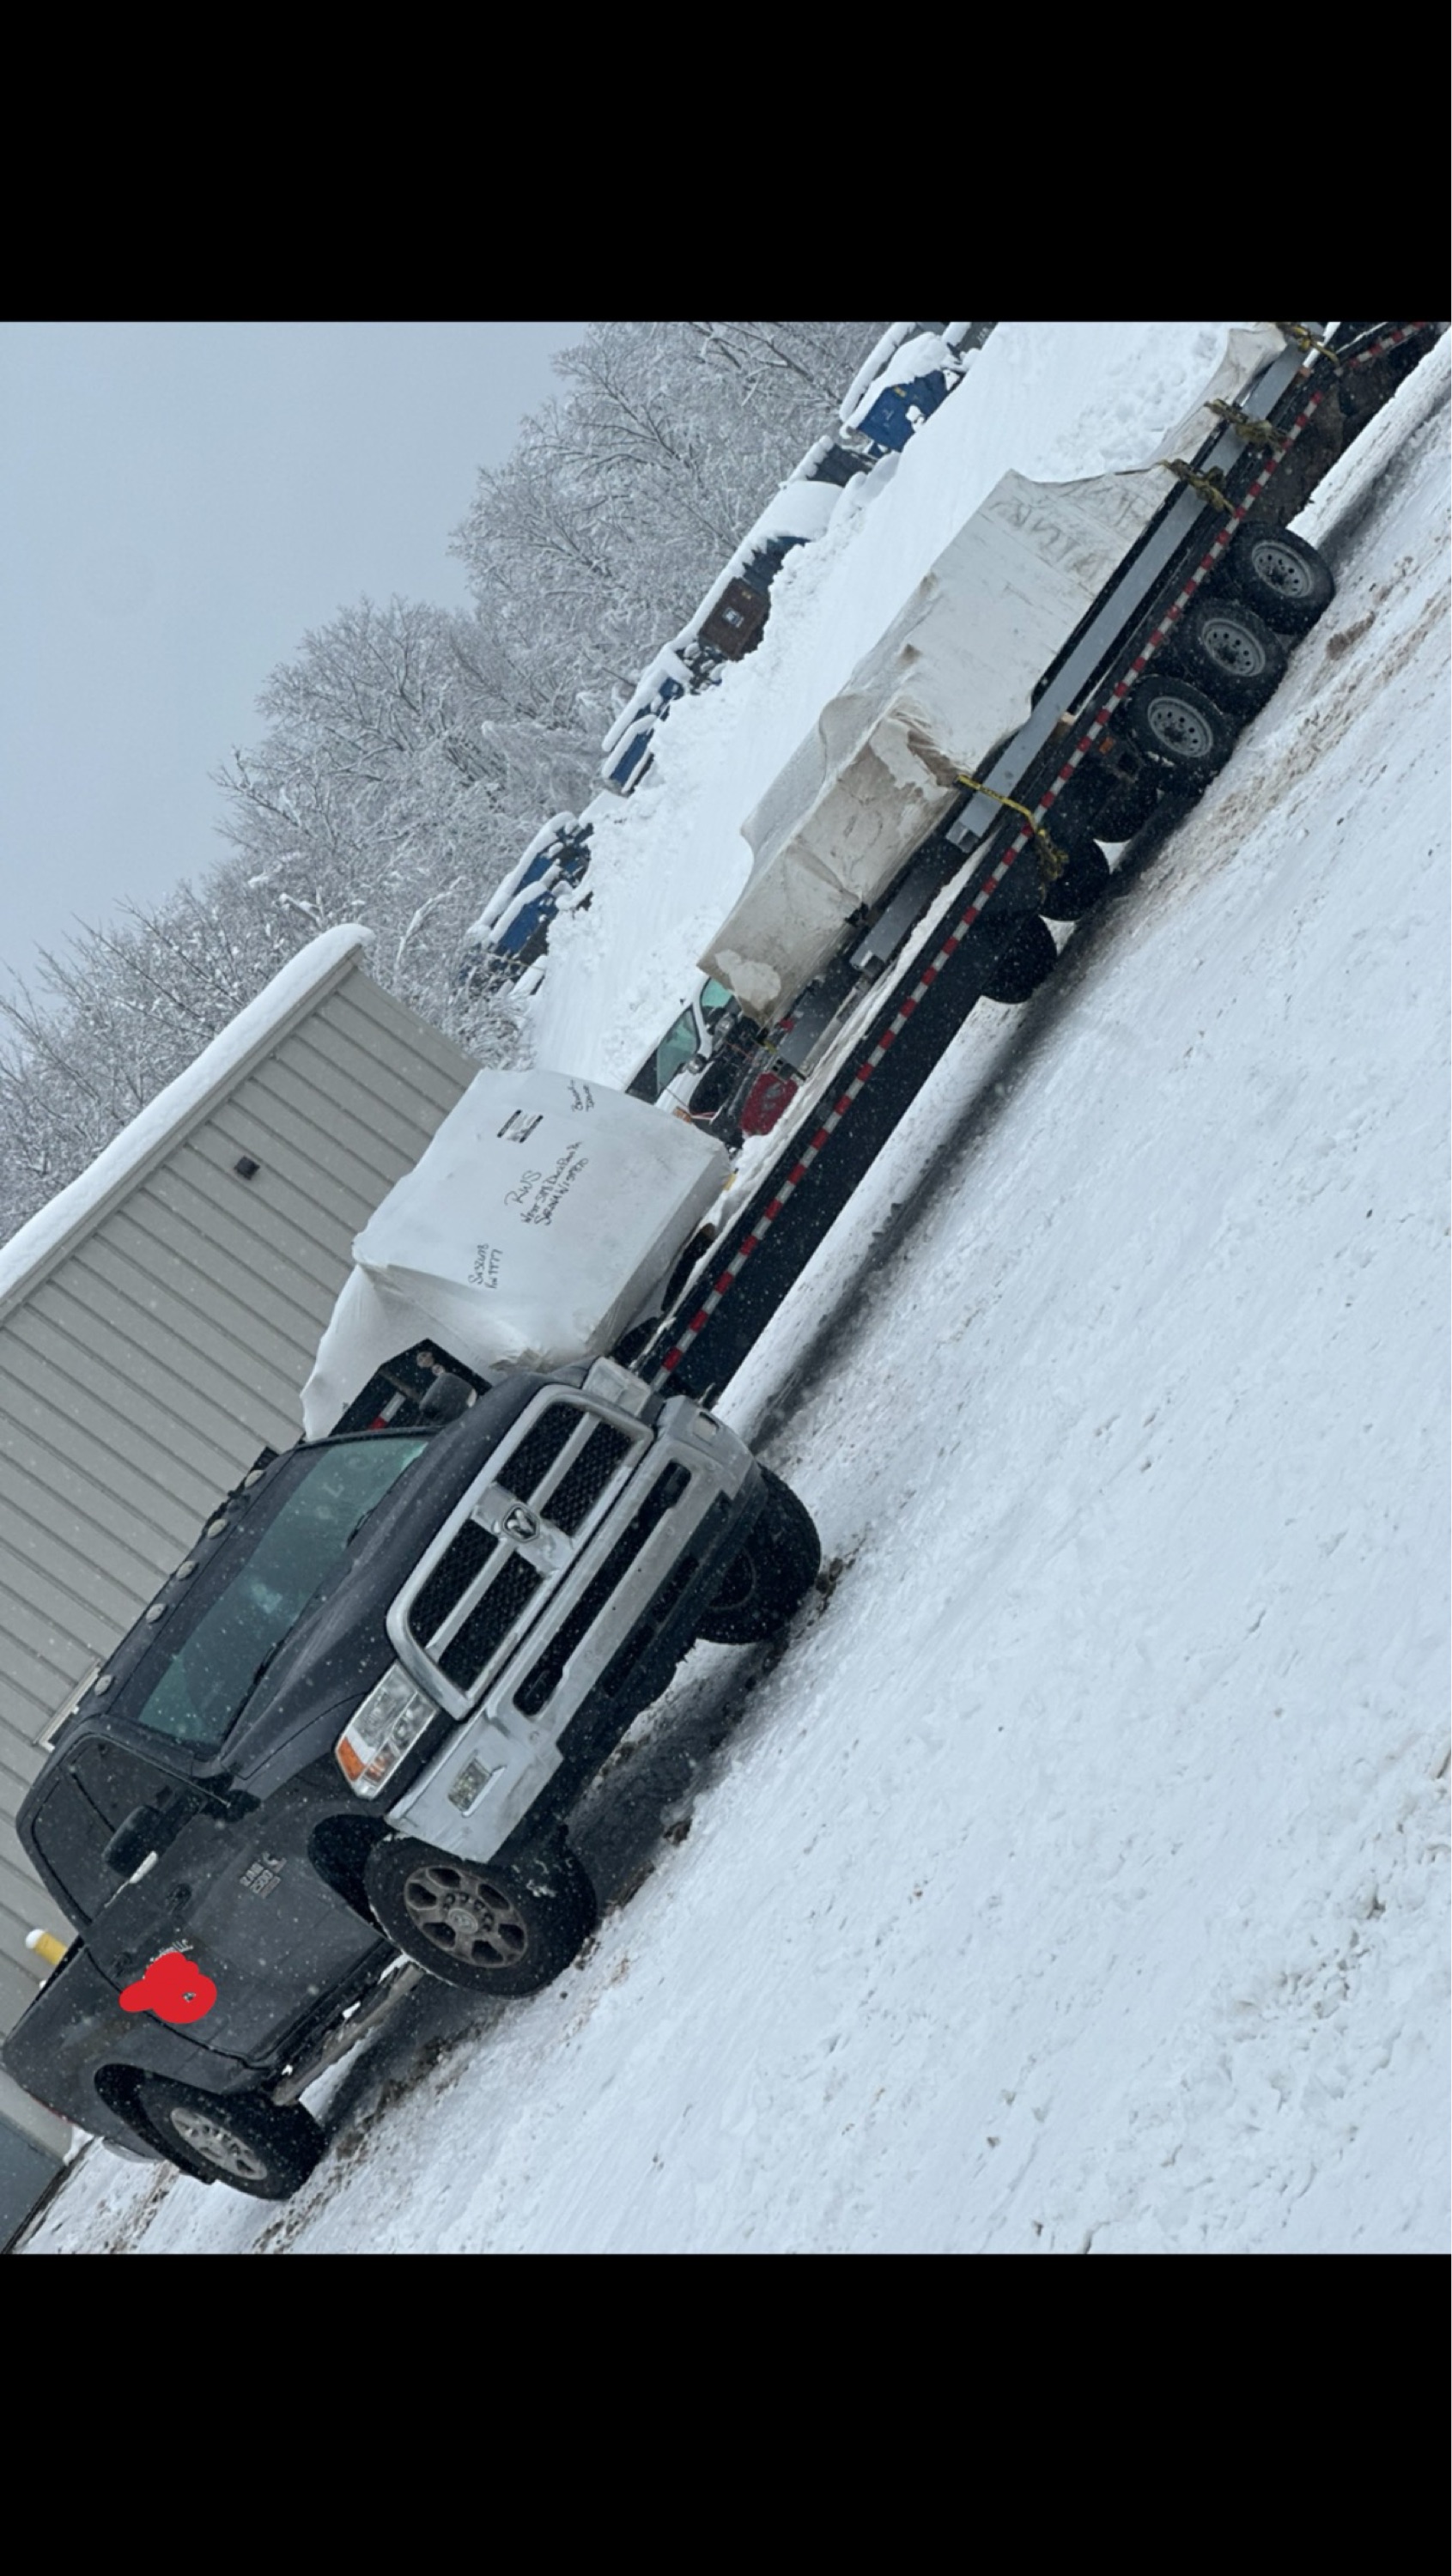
(349, 1731)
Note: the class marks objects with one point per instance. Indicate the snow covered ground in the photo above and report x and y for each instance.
(1074, 1875)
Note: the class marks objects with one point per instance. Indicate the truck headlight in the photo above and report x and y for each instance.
(380, 1732)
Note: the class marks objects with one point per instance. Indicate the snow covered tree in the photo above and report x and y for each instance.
(591, 546)
(403, 766)
(411, 751)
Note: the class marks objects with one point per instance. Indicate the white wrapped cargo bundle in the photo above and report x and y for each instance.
(540, 1222)
(951, 676)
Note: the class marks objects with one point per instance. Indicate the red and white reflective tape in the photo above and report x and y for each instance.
(786, 1189)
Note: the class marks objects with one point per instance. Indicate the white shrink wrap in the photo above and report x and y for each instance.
(541, 1221)
(952, 674)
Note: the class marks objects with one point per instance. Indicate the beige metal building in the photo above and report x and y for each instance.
(157, 1322)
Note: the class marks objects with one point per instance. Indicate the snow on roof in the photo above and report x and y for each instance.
(924, 355)
(801, 510)
(666, 665)
(550, 831)
(877, 358)
(509, 884)
(232, 1052)
(527, 896)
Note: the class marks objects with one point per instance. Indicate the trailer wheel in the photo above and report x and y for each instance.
(1231, 652)
(1082, 884)
(1015, 958)
(241, 2139)
(496, 1927)
(1181, 728)
(1128, 806)
(770, 1576)
(1282, 578)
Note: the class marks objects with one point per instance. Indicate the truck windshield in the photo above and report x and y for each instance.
(216, 1667)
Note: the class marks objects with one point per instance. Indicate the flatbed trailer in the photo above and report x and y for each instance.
(1294, 420)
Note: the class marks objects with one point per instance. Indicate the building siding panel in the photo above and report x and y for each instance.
(151, 1356)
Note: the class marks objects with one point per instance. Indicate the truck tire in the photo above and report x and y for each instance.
(1079, 886)
(240, 2139)
(495, 1927)
(1128, 806)
(770, 1576)
(1278, 575)
(1232, 654)
(1014, 957)
(1177, 725)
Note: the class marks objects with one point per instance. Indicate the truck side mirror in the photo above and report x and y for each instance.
(137, 1834)
(447, 1398)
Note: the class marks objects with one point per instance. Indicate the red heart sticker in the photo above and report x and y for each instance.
(173, 1987)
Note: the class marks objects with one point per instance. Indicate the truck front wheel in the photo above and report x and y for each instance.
(243, 2140)
(767, 1580)
(496, 1927)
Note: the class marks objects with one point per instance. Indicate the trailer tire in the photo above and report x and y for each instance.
(494, 1927)
(1015, 958)
(242, 2139)
(1177, 725)
(1278, 575)
(1231, 653)
(770, 1577)
(1128, 806)
(1079, 886)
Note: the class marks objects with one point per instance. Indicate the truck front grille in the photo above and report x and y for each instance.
(467, 1553)
(544, 1678)
(490, 1621)
(583, 1484)
(564, 1465)
(538, 1450)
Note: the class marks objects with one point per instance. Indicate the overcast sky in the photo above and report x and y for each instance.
(181, 500)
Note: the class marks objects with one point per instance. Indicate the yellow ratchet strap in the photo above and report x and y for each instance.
(1255, 433)
(1056, 859)
(1204, 484)
(1307, 340)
